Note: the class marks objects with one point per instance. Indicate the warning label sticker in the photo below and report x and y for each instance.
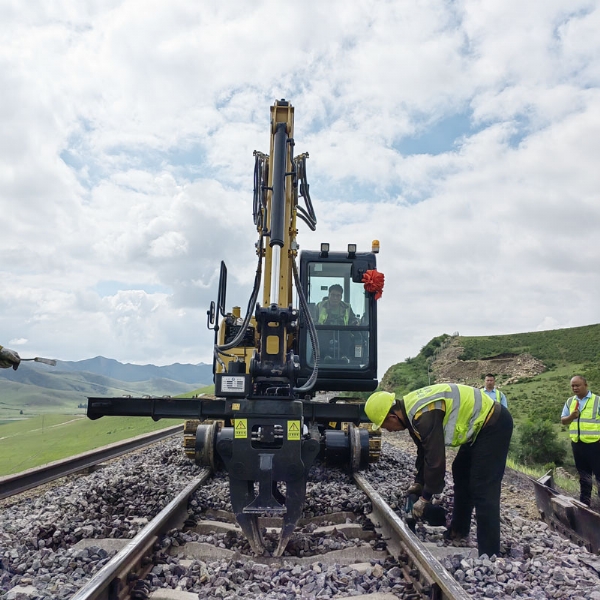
(293, 430)
(230, 383)
(241, 428)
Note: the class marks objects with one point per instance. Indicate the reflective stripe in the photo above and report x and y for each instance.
(419, 404)
(451, 416)
(450, 426)
(435, 405)
(465, 412)
(476, 411)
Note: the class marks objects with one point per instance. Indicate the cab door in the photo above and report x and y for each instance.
(346, 329)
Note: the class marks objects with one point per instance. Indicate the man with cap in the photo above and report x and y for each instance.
(449, 414)
(9, 358)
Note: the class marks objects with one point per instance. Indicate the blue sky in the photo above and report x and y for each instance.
(465, 136)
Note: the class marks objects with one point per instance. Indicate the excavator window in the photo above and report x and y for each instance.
(343, 314)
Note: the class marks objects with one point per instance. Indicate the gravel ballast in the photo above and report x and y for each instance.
(38, 534)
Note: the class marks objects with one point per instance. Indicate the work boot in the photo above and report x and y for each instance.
(453, 536)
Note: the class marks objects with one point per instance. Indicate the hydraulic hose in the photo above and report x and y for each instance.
(312, 332)
(251, 303)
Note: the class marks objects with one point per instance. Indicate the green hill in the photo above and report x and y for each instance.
(534, 394)
(562, 352)
(577, 345)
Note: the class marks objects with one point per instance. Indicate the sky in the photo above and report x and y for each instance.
(464, 135)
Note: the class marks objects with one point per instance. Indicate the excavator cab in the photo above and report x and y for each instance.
(345, 317)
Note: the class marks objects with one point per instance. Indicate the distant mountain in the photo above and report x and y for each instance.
(68, 384)
(127, 372)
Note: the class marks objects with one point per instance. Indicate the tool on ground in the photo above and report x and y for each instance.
(433, 514)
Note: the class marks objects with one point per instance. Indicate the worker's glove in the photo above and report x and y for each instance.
(416, 488)
(419, 507)
(9, 358)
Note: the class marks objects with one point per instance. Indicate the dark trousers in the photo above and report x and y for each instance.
(477, 471)
(587, 463)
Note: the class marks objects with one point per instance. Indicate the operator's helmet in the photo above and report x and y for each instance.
(378, 406)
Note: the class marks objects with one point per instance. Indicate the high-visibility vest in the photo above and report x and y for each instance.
(498, 394)
(324, 314)
(467, 409)
(587, 427)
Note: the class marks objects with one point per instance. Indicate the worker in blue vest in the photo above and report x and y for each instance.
(492, 391)
(582, 414)
(9, 358)
(448, 414)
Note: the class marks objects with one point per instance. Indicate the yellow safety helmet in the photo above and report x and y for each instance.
(378, 406)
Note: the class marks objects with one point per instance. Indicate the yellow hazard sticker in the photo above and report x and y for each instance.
(241, 428)
(293, 430)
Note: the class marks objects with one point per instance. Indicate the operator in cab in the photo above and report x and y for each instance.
(336, 346)
(333, 310)
(449, 414)
(9, 358)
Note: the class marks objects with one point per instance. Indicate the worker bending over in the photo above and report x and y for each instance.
(449, 414)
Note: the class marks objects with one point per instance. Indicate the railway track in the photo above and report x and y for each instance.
(417, 573)
(570, 517)
(63, 544)
(384, 545)
(17, 483)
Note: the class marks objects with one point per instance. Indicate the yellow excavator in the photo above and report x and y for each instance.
(315, 330)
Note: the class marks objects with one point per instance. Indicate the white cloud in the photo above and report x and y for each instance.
(126, 158)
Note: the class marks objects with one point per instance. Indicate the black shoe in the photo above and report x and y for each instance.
(453, 536)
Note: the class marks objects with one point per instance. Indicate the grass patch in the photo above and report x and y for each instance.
(47, 438)
(564, 483)
(38, 440)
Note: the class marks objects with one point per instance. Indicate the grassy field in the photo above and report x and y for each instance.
(35, 441)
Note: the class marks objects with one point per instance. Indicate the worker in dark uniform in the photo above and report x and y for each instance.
(454, 415)
(9, 358)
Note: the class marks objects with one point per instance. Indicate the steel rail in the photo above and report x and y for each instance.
(400, 538)
(111, 581)
(567, 515)
(20, 482)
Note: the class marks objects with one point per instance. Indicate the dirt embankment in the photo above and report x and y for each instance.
(447, 367)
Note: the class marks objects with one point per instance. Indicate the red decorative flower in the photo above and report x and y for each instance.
(373, 281)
